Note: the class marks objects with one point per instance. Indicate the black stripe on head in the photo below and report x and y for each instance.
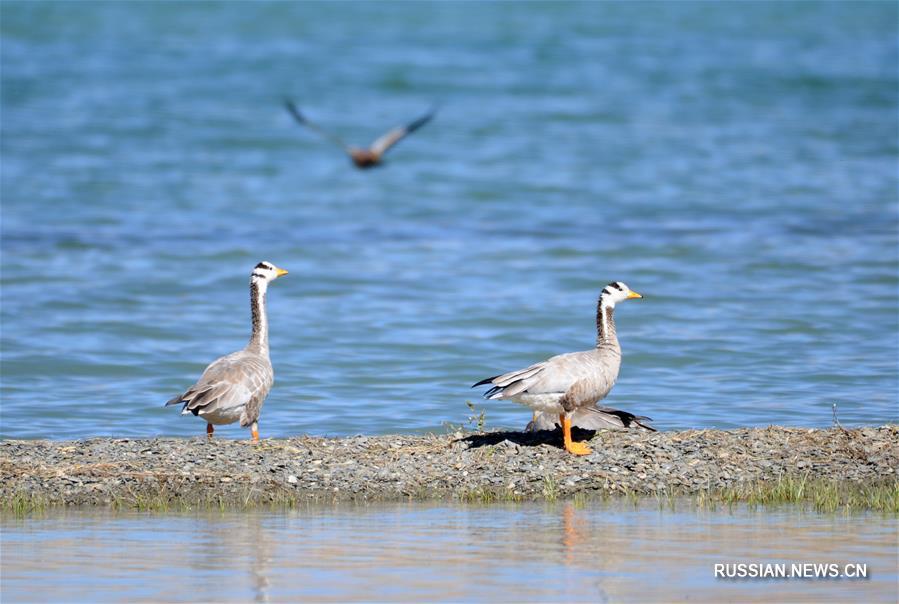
(616, 286)
(264, 265)
(606, 291)
(258, 274)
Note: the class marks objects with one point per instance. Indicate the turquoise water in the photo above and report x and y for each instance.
(413, 553)
(734, 163)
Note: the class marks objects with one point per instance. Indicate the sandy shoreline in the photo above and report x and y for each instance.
(464, 467)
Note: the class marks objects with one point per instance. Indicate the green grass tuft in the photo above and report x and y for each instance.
(824, 495)
(24, 504)
(550, 488)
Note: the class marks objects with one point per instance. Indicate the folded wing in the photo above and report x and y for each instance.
(229, 383)
(510, 384)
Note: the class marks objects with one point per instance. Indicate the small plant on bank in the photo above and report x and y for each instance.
(476, 417)
(550, 488)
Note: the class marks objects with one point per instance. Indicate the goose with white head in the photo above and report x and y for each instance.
(570, 384)
(233, 387)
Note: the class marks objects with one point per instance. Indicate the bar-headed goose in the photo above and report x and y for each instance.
(567, 384)
(234, 387)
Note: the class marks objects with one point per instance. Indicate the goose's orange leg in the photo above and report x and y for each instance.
(571, 446)
(209, 430)
(254, 430)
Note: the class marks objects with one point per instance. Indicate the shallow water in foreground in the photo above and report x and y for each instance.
(593, 553)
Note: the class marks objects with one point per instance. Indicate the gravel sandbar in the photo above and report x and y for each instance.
(457, 466)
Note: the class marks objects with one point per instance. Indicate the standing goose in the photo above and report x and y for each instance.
(573, 382)
(363, 158)
(234, 387)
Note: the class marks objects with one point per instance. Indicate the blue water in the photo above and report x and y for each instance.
(735, 163)
(415, 553)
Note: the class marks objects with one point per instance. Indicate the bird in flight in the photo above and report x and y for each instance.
(374, 154)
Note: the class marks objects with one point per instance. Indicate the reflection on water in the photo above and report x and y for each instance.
(414, 552)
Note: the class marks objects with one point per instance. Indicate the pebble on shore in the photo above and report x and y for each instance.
(456, 466)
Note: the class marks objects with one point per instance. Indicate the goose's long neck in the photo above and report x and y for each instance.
(605, 325)
(259, 339)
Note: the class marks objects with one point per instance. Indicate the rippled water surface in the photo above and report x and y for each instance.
(422, 553)
(734, 163)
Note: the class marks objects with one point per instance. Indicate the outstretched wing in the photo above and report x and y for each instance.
(383, 144)
(303, 121)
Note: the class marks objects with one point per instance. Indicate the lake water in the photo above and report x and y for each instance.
(734, 163)
(416, 553)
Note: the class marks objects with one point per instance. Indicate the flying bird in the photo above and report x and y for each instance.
(570, 384)
(233, 387)
(374, 154)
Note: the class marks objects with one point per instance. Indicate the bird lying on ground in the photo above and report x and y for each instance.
(593, 417)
